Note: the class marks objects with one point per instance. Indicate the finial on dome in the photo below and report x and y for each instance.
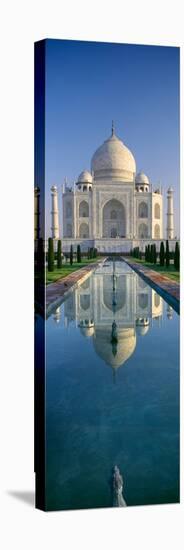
(112, 127)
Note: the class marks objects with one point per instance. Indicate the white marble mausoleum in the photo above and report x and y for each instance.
(111, 207)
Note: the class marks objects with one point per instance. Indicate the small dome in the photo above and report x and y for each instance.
(142, 179)
(170, 190)
(85, 177)
(53, 188)
(114, 160)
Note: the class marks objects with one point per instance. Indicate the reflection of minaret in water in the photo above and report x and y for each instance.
(57, 315)
(169, 312)
(170, 214)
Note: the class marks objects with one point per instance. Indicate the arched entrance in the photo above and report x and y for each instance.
(114, 233)
(84, 231)
(114, 220)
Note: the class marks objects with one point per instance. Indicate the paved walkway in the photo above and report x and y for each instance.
(57, 291)
(169, 289)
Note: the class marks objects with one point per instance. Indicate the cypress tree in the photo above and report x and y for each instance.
(50, 254)
(167, 256)
(162, 254)
(152, 254)
(155, 254)
(177, 257)
(149, 253)
(59, 258)
(71, 255)
(78, 253)
(146, 253)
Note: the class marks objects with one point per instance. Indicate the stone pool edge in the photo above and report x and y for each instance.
(164, 287)
(58, 293)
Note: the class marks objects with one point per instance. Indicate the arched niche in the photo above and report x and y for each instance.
(157, 231)
(114, 219)
(143, 231)
(84, 231)
(143, 301)
(69, 230)
(157, 211)
(143, 210)
(83, 209)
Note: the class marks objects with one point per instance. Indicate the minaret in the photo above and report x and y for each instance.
(170, 214)
(54, 213)
(36, 212)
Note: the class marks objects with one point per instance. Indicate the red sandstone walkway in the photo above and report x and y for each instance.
(162, 281)
(58, 289)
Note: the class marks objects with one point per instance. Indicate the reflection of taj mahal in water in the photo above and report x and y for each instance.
(94, 305)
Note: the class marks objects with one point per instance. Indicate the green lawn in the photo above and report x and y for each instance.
(66, 269)
(168, 271)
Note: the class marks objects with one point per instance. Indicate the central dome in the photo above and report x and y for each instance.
(113, 160)
(125, 347)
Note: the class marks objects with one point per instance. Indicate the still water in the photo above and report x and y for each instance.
(112, 401)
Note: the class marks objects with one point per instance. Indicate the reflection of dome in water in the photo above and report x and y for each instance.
(115, 355)
(87, 331)
(87, 328)
(142, 326)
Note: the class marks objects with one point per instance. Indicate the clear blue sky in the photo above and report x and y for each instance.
(87, 85)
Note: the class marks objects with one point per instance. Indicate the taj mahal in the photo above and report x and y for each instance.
(111, 207)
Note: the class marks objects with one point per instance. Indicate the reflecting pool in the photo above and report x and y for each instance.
(112, 393)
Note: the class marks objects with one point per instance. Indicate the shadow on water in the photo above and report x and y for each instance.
(28, 497)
